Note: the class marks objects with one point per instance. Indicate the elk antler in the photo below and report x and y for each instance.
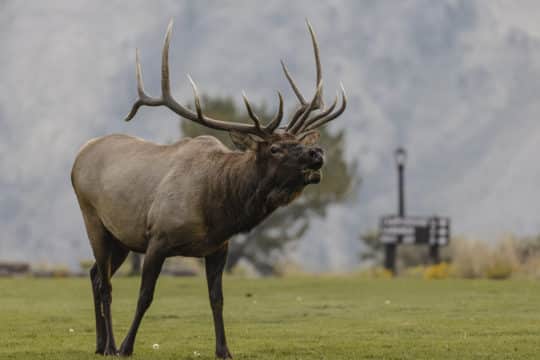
(167, 100)
(300, 121)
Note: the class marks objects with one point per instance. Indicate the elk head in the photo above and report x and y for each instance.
(288, 155)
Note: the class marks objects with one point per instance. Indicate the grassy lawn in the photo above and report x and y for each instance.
(291, 318)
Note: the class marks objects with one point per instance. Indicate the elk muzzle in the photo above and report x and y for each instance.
(315, 161)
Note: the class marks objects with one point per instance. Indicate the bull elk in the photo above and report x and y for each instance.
(190, 197)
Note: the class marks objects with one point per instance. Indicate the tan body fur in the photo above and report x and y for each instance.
(141, 190)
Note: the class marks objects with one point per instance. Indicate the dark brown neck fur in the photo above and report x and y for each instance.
(241, 194)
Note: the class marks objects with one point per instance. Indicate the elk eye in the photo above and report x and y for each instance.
(274, 149)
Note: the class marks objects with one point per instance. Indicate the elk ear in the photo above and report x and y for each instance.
(245, 141)
(309, 138)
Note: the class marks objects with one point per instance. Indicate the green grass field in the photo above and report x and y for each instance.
(290, 318)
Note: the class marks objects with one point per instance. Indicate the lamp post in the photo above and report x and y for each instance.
(400, 157)
(434, 247)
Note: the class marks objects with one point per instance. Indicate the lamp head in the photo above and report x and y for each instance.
(400, 155)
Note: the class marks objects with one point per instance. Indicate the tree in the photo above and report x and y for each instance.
(373, 248)
(268, 243)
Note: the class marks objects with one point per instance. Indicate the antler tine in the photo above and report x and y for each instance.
(304, 110)
(293, 84)
(250, 111)
(297, 113)
(330, 117)
(165, 81)
(319, 104)
(198, 107)
(144, 99)
(276, 120)
(319, 116)
(312, 106)
(140, 83)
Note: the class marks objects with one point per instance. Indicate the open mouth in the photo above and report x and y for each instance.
(312, 176)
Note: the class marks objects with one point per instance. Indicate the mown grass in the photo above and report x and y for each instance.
(290, 318)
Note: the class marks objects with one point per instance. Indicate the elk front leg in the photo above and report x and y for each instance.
(215, 263)
(153, 261)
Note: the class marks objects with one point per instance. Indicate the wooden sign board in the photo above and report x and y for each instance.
(432, 230)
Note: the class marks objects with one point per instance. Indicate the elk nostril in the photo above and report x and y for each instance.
(316, 158)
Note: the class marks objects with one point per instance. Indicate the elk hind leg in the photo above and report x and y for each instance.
(119, 255)
(105, 247)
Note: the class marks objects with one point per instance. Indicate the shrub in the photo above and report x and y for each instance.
(439, 271)
(468, 258)
(503, 260)
(499, 270)
(476, 259)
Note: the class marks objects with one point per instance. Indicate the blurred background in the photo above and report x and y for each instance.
(454, 82)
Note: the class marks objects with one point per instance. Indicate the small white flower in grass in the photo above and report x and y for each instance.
(71, 330)
(387, 302)
(155, 346)
(196, 353)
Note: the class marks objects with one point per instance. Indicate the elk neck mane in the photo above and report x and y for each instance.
(242, 193)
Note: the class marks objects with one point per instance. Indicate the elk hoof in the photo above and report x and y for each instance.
(223, 353)
(126, 350)
(110, 351)
(100, 346)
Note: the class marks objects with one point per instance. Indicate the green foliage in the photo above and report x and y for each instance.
(286, 318)
(265, 245)
(499, 270)
(373, 251)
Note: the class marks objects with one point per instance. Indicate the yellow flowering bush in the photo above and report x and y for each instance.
(438, 271)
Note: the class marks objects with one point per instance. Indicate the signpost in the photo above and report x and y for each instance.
(398, 229)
